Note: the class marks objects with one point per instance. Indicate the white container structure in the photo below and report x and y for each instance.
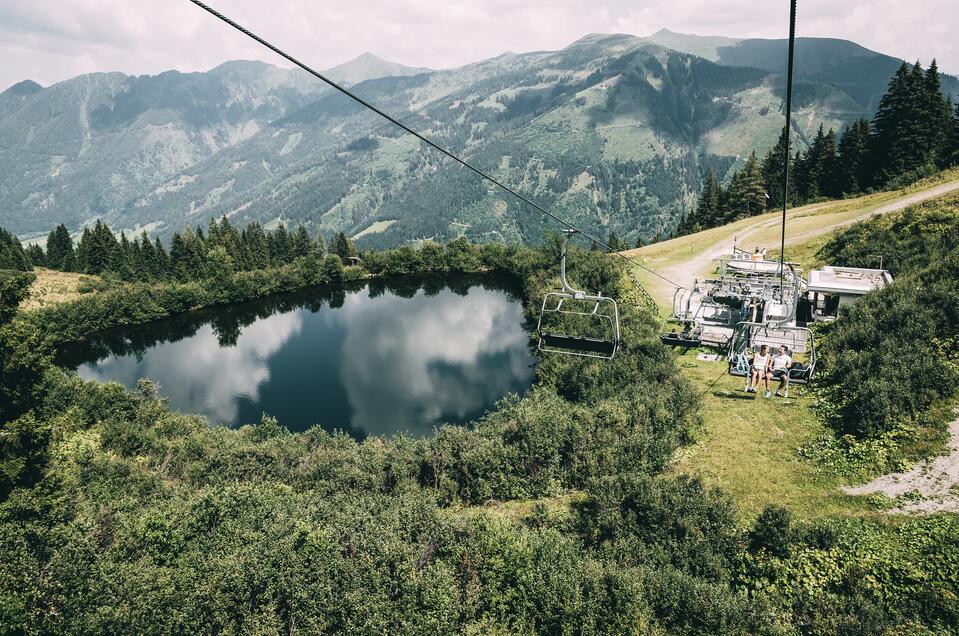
(831, 288)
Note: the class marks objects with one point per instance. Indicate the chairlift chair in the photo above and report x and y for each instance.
(600, 310)
(750, 336)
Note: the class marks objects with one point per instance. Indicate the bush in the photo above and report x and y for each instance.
(772, 531)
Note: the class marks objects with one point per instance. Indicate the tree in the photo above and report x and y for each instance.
(342, 246)
(953, 154)
(161, 260)
(145, 265)
(818, 169)
(60, 253)
(123, 259)
(614, 243)
(747, 191)
(774, 165)
(854, 158)
(12, 255)
(280, 245)
(255, 247)
(302, 246)
(898, 134)
(24, 356)
(36, 256)
(96, 249)
(935, 117)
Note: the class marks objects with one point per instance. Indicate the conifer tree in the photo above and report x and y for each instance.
(256, 248)
(12, 255)
(342, 246)
(747, 191)
(36, 256)
(302, 246)
(614, 243)
(281, 245)
(854, 159)
(60, 249)
(773, 167)
(953, 153)
(161, 259)
(123, 259)
(96, 249)
(935, 117)
(178, 257)
(145, 265)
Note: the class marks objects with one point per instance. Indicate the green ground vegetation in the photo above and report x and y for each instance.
(555, 513)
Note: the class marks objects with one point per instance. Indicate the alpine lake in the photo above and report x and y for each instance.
(382, 358)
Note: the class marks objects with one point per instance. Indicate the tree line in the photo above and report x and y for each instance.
(914, 132)
(192, 254)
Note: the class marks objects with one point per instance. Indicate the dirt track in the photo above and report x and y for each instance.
(931, 486)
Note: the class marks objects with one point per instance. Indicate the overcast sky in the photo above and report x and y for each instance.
(51, 40)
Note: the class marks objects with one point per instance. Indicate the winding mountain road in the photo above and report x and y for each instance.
(689, 257)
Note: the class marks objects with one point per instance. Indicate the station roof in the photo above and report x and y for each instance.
(847, 280)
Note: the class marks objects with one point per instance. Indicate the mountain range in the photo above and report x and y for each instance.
(613, 132)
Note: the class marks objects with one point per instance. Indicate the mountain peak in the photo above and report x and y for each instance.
(367, 66)
(26, 87)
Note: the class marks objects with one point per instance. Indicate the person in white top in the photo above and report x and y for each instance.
(780, 369)
(759, 370)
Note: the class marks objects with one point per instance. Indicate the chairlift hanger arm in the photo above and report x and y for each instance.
(423, 138)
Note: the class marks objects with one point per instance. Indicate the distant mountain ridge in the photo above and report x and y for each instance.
(614, 131)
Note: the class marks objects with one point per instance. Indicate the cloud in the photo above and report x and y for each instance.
(51, 40)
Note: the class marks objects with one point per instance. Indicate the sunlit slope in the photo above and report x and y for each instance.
(689, 257)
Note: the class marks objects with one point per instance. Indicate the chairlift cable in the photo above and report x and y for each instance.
(425, 139)
(787, 158)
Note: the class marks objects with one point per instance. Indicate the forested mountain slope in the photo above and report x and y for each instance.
(614, 132)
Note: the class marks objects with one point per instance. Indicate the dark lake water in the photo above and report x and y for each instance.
(381, 359)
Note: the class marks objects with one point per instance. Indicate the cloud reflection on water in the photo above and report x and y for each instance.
(408, 363)
(375, 365)
(200, 376)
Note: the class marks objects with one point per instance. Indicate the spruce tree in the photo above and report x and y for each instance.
(747, 191)
(123, 257)
(179, 266)
(60, 253)
(12, 255)
(146, 263)
(161, 260)
(36, 256)
(854, 158)
(953, 154)
(709, 211)
(342, 246)
(96, 250)
(256, 250)
(888, 127)
(773, 167)
(302, 245)
(280, 245)
(935, 117)
(829, 167)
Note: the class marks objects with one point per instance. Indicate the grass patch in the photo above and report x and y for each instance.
(749, 449)
(52, 287)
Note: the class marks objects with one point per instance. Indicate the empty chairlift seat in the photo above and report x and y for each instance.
(573, 322)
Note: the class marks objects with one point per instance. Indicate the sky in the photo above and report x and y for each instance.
(52, 40)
